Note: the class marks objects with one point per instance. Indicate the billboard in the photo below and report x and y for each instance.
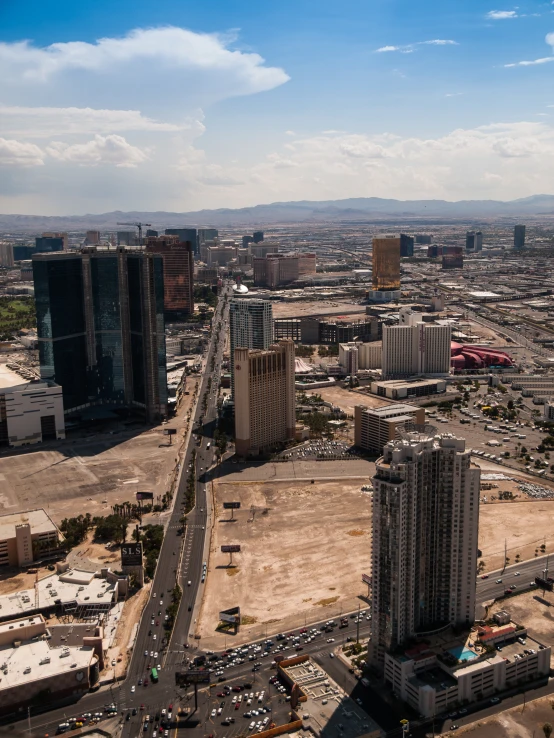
(231, 505)
(232, 615)
(366, 579)
(544, 583)
(169, 431)
(145, 496)
(131, 554)
(231, 548)
(193, 676)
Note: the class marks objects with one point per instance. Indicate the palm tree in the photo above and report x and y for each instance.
(547, 730)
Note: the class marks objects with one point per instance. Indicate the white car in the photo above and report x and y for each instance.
(155, 654)
(133, 688)
(214, 712)
(330, 640)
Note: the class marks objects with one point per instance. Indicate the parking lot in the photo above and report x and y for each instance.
(321, 449)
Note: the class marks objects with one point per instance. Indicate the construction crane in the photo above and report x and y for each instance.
(139, 226)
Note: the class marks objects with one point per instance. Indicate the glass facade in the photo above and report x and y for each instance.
(78, 306)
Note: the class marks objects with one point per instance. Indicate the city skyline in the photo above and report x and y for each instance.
(183, 107)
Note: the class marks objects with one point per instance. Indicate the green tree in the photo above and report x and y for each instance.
(547, 730)
(111, 528)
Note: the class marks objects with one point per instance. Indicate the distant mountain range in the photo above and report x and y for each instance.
(354, 209)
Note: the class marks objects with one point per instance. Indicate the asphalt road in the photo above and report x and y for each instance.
(488, 589)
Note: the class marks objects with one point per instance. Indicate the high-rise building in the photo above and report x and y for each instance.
(47, 244)
(100, 326)
(6, 254)
(374, 427)
(386, 263)
(519, 237)
(424, 545)
(178, 273)
(246, 240)
(151, 232)
(478, 241)
(265, 413)
(258, 236)
(423, 238)
(452, 257)
(206, 234)
(250, 326)
(92, 238)
(62, 235)
(470, 241)
(127, 238)
(414, 347)
(264, 248)
(406, 245)
(185, 235)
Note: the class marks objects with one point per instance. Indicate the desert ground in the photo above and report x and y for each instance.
(347, 400)
(304, 548)
(517, 722)
(91, 473)
(333, 307)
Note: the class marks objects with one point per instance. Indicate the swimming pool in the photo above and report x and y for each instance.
(462, 653)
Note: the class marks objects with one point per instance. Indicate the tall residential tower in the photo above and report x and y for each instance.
(251, 326)
(424, 551)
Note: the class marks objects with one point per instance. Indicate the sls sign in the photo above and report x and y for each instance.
(131, 554)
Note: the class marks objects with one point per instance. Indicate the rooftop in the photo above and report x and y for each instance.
(38, 519)
(390, 410)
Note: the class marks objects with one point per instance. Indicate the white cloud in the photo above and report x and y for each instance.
(501, 14)
(20, 154)
(44, 122)
(160, 61)
(410, 48)
(111, 149)
(532, 63)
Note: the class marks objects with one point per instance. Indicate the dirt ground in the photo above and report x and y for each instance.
(90, 474)
(132, 610)
(514, 723)
(304, 549)
(301, 308)
(524, 525)
(348, 399)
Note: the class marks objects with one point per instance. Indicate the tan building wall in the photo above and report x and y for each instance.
(264, 397)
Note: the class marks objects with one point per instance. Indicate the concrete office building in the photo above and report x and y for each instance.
(126, 238)
(221, 254)
(31, 413)
(264, 397)
(405, 389)
(178, 273)
(250, 326)
(415, 347)
(424, 550)
(274, 269)
(100, 326)
(27, 536)
(6, 255)
(376, 426)
(263, 248)
(519, 237)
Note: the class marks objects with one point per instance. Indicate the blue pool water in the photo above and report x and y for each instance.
(462, 653)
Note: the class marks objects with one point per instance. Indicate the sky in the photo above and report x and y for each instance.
(178, 105)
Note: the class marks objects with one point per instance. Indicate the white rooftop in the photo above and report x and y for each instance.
(73, 586)
(35, 660)
(39, 521)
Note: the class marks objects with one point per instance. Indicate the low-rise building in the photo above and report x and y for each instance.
(376, 426)
(26, 537)
(400, 389)
(32, 668)
(31, 413)
(446, 670)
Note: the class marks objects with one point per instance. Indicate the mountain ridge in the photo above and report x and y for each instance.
(353, 208)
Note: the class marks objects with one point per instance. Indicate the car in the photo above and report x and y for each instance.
(454, 727)
(133, 688)
(146, 653)
(332, 655)
(330, 640)
(485, 576)
(516, 574)
(214, 713)
(152, 654)
(157, 622)
(358, 700)
(140, 681)
(513, 586)
(453, 714)
(495, 700)
(154, 637)
(463, 711)
(499, 581)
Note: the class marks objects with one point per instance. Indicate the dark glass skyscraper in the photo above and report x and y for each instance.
(406, 245)
(519, 237)
(185, 234)
(100, 326)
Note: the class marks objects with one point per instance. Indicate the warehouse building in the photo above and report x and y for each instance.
(399, 389)
(31, 413)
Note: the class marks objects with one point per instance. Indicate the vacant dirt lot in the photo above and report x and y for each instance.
(525, 526)
(304, 549)
(90, 474)
(513, 723)
(300, 309)
(536, 611)
(348, 399)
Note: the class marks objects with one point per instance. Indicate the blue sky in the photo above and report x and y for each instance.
(178, 105)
